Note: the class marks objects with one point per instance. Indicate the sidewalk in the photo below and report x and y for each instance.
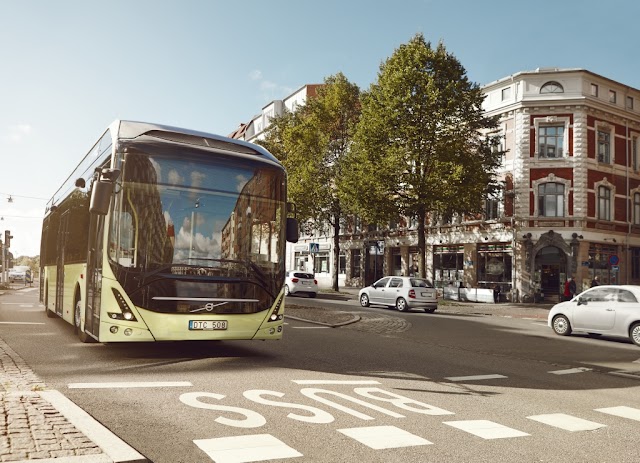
(41, 425)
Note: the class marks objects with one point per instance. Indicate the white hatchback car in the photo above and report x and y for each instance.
(601, 310)
(403, 293)
(300, 282)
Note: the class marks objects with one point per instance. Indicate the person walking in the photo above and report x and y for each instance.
(496, 293)
(566, 295)
(595, 281)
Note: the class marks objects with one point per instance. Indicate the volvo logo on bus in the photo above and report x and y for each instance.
(209, 307)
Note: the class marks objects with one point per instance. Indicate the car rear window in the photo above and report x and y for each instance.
(420, 283)
(308, 276)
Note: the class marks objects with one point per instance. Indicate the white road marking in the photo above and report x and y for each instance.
(636, 361)
(474, 378)
(331, 381)
(117, 385)
(245, 449)
(570, 371)
(110, 444)
(567, 422)
(624, 412)
(384, 437)
(21, 323)
(486, 429)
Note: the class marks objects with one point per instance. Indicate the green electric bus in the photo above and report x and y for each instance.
(165, 234)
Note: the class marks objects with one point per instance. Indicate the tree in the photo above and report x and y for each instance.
(312, 144)
(423, 147)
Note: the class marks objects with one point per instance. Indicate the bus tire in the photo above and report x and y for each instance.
(77, 320)
(50, 314)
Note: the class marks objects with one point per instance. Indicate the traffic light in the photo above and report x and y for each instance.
(7, 238)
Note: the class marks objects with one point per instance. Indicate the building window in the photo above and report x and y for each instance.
(356, 262)
(604, 147)
(493, 207)
(636, 209)
(321, 262)
(594, 90)
(612, 96)
(342, 263)
(551, 200)
(551, 141)
(495, 266)
(552, 87)
(629, 102)
(506, 93)
(634, 153)
(447, 265)
(604, 203)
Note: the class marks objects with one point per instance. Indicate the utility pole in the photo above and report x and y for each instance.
(3, 261)
(5, 251)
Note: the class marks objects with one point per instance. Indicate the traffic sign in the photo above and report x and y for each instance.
(314, 248)
(614, 260)
(615, 268)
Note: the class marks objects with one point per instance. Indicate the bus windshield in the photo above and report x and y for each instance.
(200, 224)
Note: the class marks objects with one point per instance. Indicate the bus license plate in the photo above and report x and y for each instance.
(207, 324)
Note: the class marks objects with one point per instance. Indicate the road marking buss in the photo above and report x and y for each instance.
(166, 234)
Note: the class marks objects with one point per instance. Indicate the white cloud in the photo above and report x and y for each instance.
(16, 133)
(255, 75)
(271, 90)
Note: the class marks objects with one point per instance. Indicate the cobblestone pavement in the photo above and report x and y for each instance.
(30, 427)
(361, 319)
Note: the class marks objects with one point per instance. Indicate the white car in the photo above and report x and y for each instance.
(300, 282)
(403, 293)
(601, 310)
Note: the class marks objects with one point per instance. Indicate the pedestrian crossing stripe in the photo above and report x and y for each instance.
(624, 412)
(384, 437)
(486, 429)
(567, 422)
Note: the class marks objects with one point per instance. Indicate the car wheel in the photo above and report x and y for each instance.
(634, 333)
(312, 294)
(401, 305)
(364, 300)
(561, 325)
(286, 291)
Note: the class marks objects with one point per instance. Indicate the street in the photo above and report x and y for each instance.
(393, 386)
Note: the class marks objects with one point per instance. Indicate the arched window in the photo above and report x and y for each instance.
(551, 200)
(552, 87)
(604, 203)
(636, 209)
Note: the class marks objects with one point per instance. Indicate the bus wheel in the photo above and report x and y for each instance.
(50, 314)
(77, 321)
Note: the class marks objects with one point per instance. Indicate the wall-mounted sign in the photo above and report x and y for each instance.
(495, 267)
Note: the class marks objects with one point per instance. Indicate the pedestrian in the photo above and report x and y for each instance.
(496, 293)
(572, 287)
(595, 281)
(567, 292)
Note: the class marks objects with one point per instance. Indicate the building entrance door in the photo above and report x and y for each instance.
(551, 265)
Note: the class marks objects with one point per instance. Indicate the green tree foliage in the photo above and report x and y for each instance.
(423, 147)
(312, 143)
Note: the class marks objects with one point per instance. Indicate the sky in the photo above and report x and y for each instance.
(68, 68)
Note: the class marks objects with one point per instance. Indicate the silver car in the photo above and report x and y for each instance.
(403, 293)
(601, 310)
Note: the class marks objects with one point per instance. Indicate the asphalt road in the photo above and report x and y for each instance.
(410, 387)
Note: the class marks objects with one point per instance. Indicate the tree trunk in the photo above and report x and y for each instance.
(422, 268)
(336, 251)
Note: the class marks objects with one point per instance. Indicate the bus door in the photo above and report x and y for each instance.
(62, 246)
(94, 275)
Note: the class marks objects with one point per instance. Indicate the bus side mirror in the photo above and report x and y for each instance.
(292, 230)
(101, 191)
